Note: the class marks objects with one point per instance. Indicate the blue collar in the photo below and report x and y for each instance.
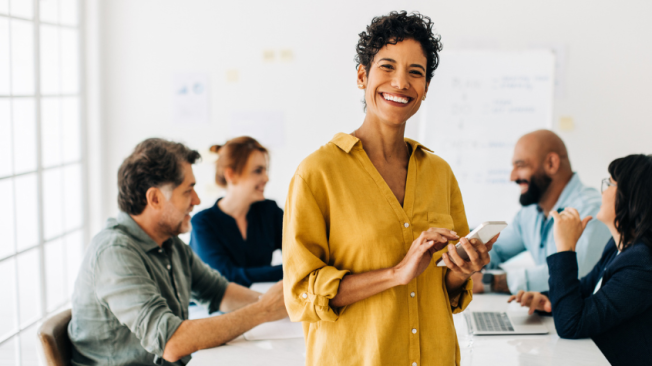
(572, 186)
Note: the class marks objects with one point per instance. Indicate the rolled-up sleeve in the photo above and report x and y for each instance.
(460, 301)
(308, 282)
(124, 286)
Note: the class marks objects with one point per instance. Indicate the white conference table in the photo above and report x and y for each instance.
(522, 350)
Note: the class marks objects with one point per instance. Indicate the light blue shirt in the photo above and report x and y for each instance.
(532, 231)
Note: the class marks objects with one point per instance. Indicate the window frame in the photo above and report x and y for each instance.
(43, 313)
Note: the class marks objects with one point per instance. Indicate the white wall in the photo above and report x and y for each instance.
(144, 42)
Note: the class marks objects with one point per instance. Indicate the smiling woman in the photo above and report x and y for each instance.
(238, 234)
(369, 211)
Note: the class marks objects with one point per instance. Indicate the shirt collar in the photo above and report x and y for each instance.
(129, 226)
(346, 142)
(573, 185)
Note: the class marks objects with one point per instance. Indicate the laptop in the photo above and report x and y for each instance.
(500, 323)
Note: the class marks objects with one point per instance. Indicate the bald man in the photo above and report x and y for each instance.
(542, 169)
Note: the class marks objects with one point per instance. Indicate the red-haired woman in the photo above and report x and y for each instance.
(238, 234)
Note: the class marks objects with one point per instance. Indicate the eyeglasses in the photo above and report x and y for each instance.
(606, 183)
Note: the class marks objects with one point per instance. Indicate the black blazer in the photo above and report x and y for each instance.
(619, 316)
(218, 242)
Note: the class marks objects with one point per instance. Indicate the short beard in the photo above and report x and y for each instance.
(168, 226)
(170, 229)
(537, 187)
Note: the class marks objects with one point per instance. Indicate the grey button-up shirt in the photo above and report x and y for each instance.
(131, 295)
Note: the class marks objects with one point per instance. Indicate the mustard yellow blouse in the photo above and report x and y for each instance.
(341, 217)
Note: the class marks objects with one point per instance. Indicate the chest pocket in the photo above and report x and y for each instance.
(440, 220)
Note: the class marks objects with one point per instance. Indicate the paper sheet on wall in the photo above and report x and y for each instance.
(190, 98)
(478, 105)
(268, 127)
(280, 329)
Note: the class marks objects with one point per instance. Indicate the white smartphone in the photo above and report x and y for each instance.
(485, 232)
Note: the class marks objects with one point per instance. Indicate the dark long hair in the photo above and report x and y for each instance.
(633, 176)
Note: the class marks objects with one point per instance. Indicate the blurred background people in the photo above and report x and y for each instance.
(239, 233)
(542, 168)
(612, 303)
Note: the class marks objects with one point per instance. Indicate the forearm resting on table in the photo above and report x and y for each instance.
(236, 297)
(193, 335)
(500, 283)
(356, 287)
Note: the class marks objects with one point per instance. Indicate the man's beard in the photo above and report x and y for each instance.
(537, 187)
(169, 226)
(171, 229)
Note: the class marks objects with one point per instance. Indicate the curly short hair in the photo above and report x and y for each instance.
(153, 163)
(633, 176)
(396, 27)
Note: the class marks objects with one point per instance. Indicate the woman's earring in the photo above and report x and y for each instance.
(424, 98)
(360, 86)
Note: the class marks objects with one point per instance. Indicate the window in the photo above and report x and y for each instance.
(42, 223)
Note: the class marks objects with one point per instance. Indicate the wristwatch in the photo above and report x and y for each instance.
(487, 281)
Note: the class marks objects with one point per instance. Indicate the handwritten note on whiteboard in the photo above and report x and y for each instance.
(478, 105)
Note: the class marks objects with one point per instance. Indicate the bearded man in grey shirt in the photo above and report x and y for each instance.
(131, 297)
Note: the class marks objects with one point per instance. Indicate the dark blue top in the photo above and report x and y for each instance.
(619, 316)
(218, 242)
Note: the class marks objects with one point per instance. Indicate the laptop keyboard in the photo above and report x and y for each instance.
(492, 322)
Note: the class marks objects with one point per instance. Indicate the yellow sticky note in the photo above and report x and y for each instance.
(566, 123)
(268, 55)
(287, 55)
(232, 76)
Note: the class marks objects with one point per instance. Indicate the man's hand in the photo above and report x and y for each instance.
(193, 335)
(535, 300)
(500, 283)
(273, 304)
(478, 286)
(568, 228)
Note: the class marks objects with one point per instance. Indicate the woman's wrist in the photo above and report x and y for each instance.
(564, 246)
(459, 276)
(393, 276)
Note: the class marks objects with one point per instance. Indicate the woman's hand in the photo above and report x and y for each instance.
(418, 257)
(478, 257)
(535, 300)
(568, 228)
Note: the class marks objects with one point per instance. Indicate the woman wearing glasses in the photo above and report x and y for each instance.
(613, 303)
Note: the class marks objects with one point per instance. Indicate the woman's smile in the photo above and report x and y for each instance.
(396, 100)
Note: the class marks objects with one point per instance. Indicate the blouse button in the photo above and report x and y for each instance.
(406, 225)
(169, 267)
(412, 294)
(414, 364)
(160, 250)
(414, 331)
(304, 295)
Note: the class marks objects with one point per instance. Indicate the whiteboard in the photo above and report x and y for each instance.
(479, 103)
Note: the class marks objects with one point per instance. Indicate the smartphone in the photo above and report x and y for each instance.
(485, 232)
